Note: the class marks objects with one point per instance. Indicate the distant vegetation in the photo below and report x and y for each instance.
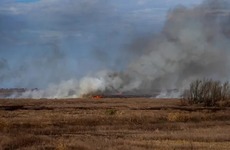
(208, 92)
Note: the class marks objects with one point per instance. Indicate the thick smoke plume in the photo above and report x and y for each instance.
(194, 43)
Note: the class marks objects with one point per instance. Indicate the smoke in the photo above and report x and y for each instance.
(41, 46)
(194, 43)
(73, 88)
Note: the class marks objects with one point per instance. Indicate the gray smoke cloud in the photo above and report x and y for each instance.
(194, 43)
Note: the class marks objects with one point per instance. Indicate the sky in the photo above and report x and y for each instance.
(46, 41)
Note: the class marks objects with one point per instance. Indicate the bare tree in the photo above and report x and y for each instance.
(207, 92)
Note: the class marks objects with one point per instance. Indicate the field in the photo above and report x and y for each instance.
(111, 124)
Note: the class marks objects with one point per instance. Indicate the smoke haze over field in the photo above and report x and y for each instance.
(192, 42)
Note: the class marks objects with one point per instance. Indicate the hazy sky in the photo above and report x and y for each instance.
(56, 40)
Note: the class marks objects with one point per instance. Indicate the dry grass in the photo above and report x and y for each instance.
(111, 124)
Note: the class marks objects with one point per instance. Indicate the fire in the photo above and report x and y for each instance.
(97, 97)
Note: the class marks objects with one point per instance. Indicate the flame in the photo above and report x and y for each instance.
(97, 97)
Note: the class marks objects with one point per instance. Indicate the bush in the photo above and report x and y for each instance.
(207, 92)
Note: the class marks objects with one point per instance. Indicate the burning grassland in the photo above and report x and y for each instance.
(193, 43)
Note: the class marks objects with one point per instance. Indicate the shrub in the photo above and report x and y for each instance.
(207, 92)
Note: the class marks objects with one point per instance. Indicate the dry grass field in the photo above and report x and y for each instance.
(111, 124)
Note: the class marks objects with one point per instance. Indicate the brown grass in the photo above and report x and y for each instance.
(111, 124)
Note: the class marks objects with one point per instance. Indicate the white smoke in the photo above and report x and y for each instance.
(194, 43)
(75, 88)
(170, 94)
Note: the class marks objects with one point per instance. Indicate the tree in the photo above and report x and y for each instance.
(207, 92)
